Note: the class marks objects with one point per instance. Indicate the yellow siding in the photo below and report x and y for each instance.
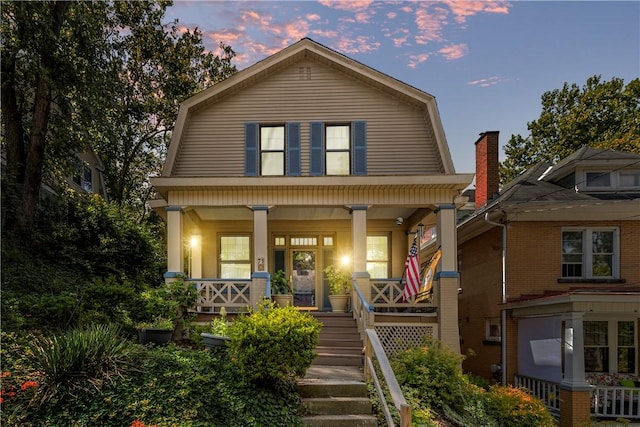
(400, 139)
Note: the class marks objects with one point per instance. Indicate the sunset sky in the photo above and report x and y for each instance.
(486, 62)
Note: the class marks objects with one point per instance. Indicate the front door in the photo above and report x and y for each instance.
(303, 278)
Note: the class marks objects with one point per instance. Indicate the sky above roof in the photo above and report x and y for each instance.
(488, 63)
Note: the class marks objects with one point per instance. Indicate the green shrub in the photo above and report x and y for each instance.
(273, 344)
(90, 355)
(512, 406)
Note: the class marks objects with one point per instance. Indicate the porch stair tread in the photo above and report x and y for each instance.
(335, 396)
(339, 342)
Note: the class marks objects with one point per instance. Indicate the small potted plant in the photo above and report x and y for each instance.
(281, 290)
(157, 331)
(339, 287)
(218, 334)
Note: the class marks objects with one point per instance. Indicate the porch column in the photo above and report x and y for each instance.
(175, 256)
(575, 392)
(448, 277)
(359, 248)
(259, 275)
(260, 239)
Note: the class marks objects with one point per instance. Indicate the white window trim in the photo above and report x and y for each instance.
(487, 330)
(587, 254)
(614, 176)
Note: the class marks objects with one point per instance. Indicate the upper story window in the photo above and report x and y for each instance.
(338, 148)
(83, 176)
(590, 253)
(272, 150)
(605, 180)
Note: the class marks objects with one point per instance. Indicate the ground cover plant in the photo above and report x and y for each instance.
(439, 393)
(161, 386)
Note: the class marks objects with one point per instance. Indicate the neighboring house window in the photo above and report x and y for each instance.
(83, 177)
(338, 149)
(610, 346)
(590, 253)
(272, 150)
(378, 256)
(235, 257)
(492, 329)
(602, 180)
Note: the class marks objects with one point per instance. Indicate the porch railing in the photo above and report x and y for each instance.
(364, 314)
(213, 294)
(606, 401)
(615, 402)
(546, 391)
(387, 294)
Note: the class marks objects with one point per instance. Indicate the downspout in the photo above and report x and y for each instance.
(503, 312)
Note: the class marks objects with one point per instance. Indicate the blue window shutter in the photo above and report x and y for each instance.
(316, 162)
(359, 130)
(251, 149)
(293, 147)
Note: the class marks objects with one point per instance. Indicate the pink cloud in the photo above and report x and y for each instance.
(463, 9)
(361, 44)
(454, 51)
(391, 15)
(490, 81)
(330, 34)
(430, 23)
(352, 5)
(313, 17)
(415, 60)
(363, 17)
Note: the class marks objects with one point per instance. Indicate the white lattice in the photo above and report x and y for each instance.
(398, 337)
(231, 294)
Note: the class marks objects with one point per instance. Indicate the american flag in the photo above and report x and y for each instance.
(412, 269)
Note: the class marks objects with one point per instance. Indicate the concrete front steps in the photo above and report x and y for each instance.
(334, 396)
(334, 393)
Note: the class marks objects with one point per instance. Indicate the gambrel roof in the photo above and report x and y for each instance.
(307, 49)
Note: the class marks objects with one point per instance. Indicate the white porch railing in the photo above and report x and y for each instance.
(546, 391)
(606, 401)
(616, 402)
(213, 294)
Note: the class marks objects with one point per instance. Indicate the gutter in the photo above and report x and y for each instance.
(503, 311)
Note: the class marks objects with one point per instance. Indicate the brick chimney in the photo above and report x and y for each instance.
(487, 176)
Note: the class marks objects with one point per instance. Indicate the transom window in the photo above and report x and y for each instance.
(378, 256)
(610, 346)
(235, 257)
(338, 150)
(272, 149)
(590, 253)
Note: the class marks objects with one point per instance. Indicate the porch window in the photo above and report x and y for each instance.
(272, 150)
(610, 346)
(378, 256)
(596, 349)
(590, 253)
(235, 257)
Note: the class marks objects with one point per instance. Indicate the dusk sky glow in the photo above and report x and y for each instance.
(486, 62)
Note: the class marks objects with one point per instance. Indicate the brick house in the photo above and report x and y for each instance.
(550, 281)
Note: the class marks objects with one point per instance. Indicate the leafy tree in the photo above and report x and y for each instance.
(107, 75)
(601, 114)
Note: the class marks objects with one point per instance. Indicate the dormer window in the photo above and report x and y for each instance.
(598, 179)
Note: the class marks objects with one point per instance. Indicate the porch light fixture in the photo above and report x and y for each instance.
(345, 260)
